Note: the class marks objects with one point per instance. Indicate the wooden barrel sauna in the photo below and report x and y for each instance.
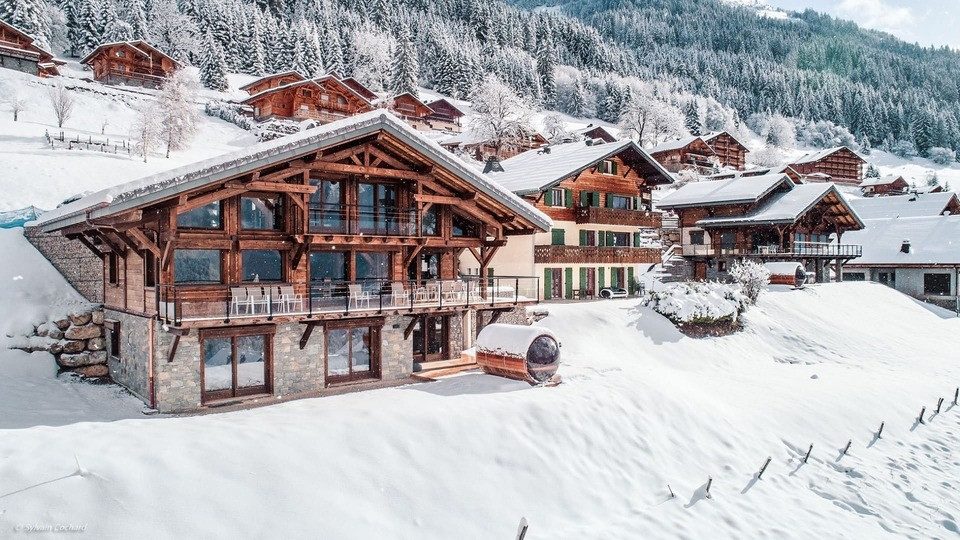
(527, 353)
(787, 273)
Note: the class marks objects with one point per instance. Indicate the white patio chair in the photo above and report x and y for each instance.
(289, 298)
(239, 297)
(358, 296)
(399, 293)
(259, 297)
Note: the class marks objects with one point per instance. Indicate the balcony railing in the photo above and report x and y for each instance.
(157, 77)
(617, 216)
(595, 255)
(798, 250)
(244, 301)
(354, 219)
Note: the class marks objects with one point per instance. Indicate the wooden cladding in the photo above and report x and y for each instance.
(594, 255)
(614, 216)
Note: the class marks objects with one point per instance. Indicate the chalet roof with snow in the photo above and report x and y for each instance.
(284, 74)
(172, 183)
(473, 137)
(677, 144)
(537, 170)
(137, 45)
(934, 241)
(318, 82)
(887, 180)
(455, 111)
(813, 157)
(910, 205)
(787, 207)
(354, 85)
(713, 135)
(597, 132)
(740, 190)
(783, 169)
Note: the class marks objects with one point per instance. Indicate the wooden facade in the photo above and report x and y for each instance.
(325, 99)
(484, 150)
(412, 110)
(597, 132)
(356, 86)
(730, 151)
(19, 52)
(693, 154)
(131, 63)
(275, 80)
(889, 185)
(445, 116)
(842, 164)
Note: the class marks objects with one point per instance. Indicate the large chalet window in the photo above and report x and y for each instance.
(936, 284)
(326, 206)
(377, 209)
(430, 221)
(352, 352)
(236, 362)
(618, 239)
(341, 100)
(196, 266)
(328, 266)
(619, 202)
(261, 212)
(463, 227)
(261, 265)
(696, 238)
(204, 217)
(372, 265)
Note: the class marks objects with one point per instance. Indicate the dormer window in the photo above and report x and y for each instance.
(121, 54)
(307, 93)
(607, 166)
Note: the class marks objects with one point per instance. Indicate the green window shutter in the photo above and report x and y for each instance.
(583, 237)
(547, 283)
(631, 287)
(557, 237)
(568, 198)
(490, 272)
(584, 198)
(548, 197)
(583, 281)
(636, 239)
(600, 281)
(613, 167)
(568, 282)
(614, 281)
(609, 201)
(610, 240)
(601, 238)
(636, 203)
(595, 198)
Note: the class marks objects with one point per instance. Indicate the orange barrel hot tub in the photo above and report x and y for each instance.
(787, 273)
(526, 353)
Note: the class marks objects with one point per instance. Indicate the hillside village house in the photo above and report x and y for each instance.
(841, 165)
(884, 185)
(410, 109)
(323, 99)
(730, 151)
(473, 144)
(597, 132)
(599, 198)
(19, 52)
(766, 218)
(918, 256)
(445, 116)
(794, 176)
(908, 205)
(274, 80)
(321, 259)
(131, 63)
(688, 153)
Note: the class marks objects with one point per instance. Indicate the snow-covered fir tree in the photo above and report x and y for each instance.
(405, 71)
(213, 66)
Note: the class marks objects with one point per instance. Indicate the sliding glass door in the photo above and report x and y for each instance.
(236, 362)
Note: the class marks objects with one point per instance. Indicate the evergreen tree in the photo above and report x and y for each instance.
(578, 100)
(405, 71)
(920, 130)
(331, 47)
(311, 61)
(213, 67)
(692, 120)
(27, 15)
(90, 31)
(546, 65)
(138, 20)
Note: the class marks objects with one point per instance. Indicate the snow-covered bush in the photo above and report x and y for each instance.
(766, 157)
(825, 134)
(942, 156)
(752, 277)
(229, 112)
(776, 129)
(904, 149)
(697, 302)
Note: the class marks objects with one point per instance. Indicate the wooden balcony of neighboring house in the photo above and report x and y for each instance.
(250, 302)
(15, 50)
(600, 215)
(798, 250)
(321, 116)
(616, 255)
(153, 77)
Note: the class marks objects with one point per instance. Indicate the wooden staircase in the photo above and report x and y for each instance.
(432, 371)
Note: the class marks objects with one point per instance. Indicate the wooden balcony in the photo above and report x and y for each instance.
(595, 255)
(615, 216)
(799, 250)
(155, 78)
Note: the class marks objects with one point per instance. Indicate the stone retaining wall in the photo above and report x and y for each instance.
(77, 342)
(78, 265)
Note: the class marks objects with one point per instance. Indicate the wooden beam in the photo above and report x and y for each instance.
(388, 159)
(166, 257)
(275, 187)
(83, 240)
(145, 242)
(298, 253)
(488, 255)
(116, 248)
(212, 197)
(440, 199)
(173, 348)
(371, 171)
(409, 329)
(476, 255)
(307, 332)
(283, 173)
(413, 255)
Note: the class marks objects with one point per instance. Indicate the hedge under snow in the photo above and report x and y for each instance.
(698, 302)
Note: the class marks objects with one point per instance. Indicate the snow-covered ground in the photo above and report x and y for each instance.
(641, 407)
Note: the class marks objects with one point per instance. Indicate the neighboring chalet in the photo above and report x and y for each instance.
(480, 148)
(730, 151)
(445, 116)
(275, 80)
(918, 256)
(356, 86)
(412, 111)
(597, 132)
(884, 185)
(910, 205)
(324, 99)
(131, 63)
(19, 52)
(796, 177)
(325, 258)
(599, 198)
(688, 153)
(841, 165)
(767, 218)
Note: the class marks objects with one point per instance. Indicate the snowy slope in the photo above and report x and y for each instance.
(34, 174)
(641, 407)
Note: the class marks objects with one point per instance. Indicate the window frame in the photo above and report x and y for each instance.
(113, 268)
(283, 266)
(927, 285)
(374, 327)
(221, 255)
(557, 198)
(218, 227)
(698, 235)
(114, 350)
(279, 216)
(268, 332)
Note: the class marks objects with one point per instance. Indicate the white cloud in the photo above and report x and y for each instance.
(876, 14)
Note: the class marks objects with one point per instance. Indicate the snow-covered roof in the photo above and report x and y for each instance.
(782, 268)
(817, 156)
(136, 44)
(167, 184)
(881, 181)
(783, 207)
(534, 170)
(674, 144)
(449, 104)
(739, 190)
(711, 136)
(933, 241)
(593, 127)
(473, 136)
(315, 82)
(274, 76)
(911, 205)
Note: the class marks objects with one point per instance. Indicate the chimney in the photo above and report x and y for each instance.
(905, 246)
(492, 165)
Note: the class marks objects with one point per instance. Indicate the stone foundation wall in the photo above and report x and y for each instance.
(76, 342)
(297, 371)
(178, 382)
(81, 268)
(130, 366)
(396, 353)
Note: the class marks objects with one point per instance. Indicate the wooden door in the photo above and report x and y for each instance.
(556, 283)
(699, 271)
(431, 337)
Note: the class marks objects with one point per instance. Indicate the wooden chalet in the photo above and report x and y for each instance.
(597, 132)
(599, 198)
(325, 99)
(275, 80)
(470, 143)
(689, 153)
(445, 116)
(412, 110)
(843, 165)
(326, 258)
(131, 63)
(356, 86)
(884, 186)
(19, 52)
(795, 177)
(762, 217)
(907, 205)
(731, 152)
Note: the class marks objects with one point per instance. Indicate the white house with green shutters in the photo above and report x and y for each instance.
(598, 195)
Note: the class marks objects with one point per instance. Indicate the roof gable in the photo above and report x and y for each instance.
(738, 190)
(709, 137)
(813, 157)
(138, 46)
(266, 78)
(358, 87)
(789, 206)
(29, 41)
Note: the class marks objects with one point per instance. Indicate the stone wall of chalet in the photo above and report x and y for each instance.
(77, 342)
(81, 268)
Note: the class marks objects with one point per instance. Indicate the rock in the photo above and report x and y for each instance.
(72, 346)
(43, 330)
(55, 333)
(63, 324)
(96, 344)
(55, 348)
(80, 319)
(83, 332)
(99, 370)
(82, 359)
(97, 317)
